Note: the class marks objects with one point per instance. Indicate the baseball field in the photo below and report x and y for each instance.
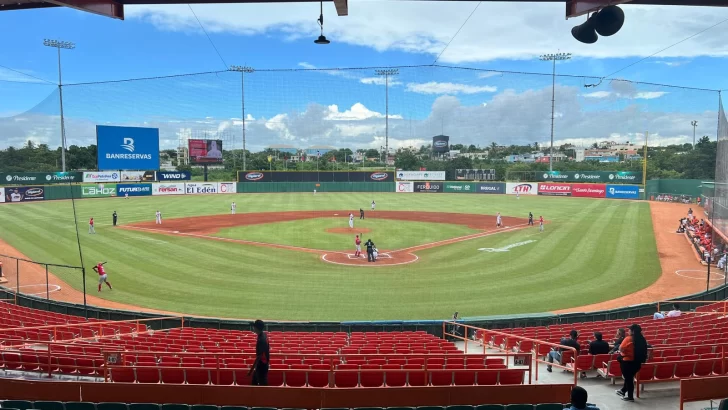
(289, 256)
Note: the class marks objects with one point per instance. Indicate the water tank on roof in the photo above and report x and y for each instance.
(440, 144)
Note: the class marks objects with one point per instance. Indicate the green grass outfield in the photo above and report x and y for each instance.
(592, 250)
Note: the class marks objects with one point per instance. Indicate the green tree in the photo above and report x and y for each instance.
(407, 160)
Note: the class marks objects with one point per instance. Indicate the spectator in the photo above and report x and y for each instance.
(632, 353)
(555, 354)
(618, 339)
(722, 261)
(259, 370)
(658, 315)
(598, 346)
(578, 400)
(675, 312)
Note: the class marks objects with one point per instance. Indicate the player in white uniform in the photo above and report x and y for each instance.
(373, 205)
(351, 221)
(518, 195)
(158, 216)
(232, 208)
(498, 221)
(314, 191)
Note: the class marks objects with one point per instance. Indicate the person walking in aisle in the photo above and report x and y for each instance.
(632, 353)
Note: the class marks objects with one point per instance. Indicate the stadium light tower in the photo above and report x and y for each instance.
(694, 124)
(69, 46)
(386, 73)
(553, 57)
(242, 70)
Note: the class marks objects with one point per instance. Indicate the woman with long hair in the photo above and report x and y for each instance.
(632, 353)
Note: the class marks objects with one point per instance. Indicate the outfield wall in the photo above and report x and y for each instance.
(610, 191)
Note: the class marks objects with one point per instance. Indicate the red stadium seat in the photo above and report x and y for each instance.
(147, 374)
(197, 376)
(464, 378)
(511, 376)
(122, 375)
(663, 371)
(416, 376)
(394, 378)
(172, 376)
(487, 378)
(295, 378)
(318, 378)
(684, 369)
(371, 376)
(346, 378)
(441, 377)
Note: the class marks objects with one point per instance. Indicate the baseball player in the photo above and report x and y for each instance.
(114, 217)
(357, 243)
(158, 216)
(498, 221)
(351, 221)
(518, 195)
(314, 191)
(233, 207)
(373, 205)
(91, 226)
(540, 223)
(99, 268)
(530, 219)
(15, 196)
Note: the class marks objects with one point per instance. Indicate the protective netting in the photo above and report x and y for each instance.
(718, 204)
(345, 108)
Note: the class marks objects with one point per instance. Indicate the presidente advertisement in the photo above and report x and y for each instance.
(168, 189)
(134, 189)
(173, 176)
(101, 177)
(420, 175)
(491, 188)
(554, 189)
(39, 177)
(137, 176)
(98, 191)
(590, 176)
(201, 188)
(589, 190)
(623, 191)
(404, 187)
(122, 148)
(462, 187)
(521, 188)
(428, 186)
(24, 194)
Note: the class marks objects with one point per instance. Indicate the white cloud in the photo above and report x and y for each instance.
(672, 63)
(357, 112)
(517, 32)
(649, 95)
(598, 94)
(379, 81)
(434, 87)
(489, 74)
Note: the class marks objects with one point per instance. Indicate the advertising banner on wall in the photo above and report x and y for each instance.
(201, 187)
(521, 188)
(554, 189)
(39, 177)
(134, 189)
(491, 188)
(127, 148)
(589, 190)
(98, 191)
(420, 175)
(226, 187)
(404, 187)
(458, 187)
(590, 176)
(137, 176)
(24, 194)
(428, 186)
(2, 195)
(169, 188)
(623, 191)
(173, 176)
(101, 176)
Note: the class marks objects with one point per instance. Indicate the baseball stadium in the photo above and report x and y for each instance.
(356, 238)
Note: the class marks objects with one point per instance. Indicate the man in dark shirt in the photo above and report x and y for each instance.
(262, 356)
(598, 346)
(114, 217)
(618, 340)
(361, 213)
(370, 250)
(556, 354)
(530, 219)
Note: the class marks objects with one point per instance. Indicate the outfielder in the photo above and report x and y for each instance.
(233, 207)
(540, 223)
(158, 216)
(99, 268)
(498, 221)
(91, 226)
(351, 221)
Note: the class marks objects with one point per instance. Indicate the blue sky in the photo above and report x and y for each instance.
(347, 108)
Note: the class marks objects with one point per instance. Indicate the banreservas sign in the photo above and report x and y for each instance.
(554, 189)
(623, 191)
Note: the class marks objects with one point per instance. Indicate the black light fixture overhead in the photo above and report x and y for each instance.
(322, 38)
(606, 22)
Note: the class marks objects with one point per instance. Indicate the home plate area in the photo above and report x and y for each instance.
(364, 255)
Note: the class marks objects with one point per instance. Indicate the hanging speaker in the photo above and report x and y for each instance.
(586, 32)
(609, 21)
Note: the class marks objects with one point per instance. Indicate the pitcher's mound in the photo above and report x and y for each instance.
(348, 230)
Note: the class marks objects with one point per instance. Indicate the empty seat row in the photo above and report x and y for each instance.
(57, 405)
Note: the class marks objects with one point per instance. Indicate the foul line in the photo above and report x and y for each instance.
(461, 238)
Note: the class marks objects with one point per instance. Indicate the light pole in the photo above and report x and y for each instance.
(386, 73)
(69, 46)
(694, 124)
(554, 58)
(242, 70)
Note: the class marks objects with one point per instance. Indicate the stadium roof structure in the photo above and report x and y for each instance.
(115, 8)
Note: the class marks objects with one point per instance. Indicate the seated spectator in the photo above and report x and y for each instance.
(618, 339)
(579, 397)
(598, 346)
(556, 354)
(675, 312)
(658, 315)
(722, 261)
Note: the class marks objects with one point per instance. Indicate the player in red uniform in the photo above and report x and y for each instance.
(357, 242)
(91, 226)
(540, 223)
(99, 268)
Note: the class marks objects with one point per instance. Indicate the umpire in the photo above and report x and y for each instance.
(370, 250)
(114, 217)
